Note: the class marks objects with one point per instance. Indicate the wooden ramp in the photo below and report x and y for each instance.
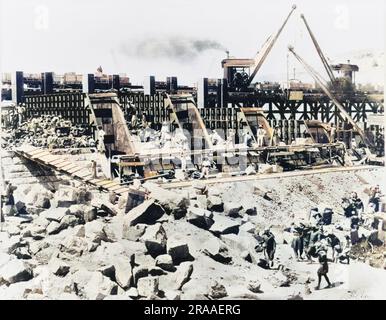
(58, 163)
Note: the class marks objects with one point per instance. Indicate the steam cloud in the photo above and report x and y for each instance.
(174, 48)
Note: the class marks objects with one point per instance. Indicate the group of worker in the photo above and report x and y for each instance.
(311, 240)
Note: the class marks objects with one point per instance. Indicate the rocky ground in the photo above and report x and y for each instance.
(76, 243)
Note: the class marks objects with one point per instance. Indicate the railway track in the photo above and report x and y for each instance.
(288, 174)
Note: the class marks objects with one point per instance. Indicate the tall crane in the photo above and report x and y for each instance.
(343, 114)
(263, 53)
(320, 52)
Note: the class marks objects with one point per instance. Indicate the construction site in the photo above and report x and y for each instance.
(234, 188)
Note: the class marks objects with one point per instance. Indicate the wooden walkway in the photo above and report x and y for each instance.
(56, 162)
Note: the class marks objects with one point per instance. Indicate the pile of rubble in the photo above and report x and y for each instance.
(49, 131)
(197, 243)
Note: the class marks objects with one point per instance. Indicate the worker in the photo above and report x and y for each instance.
(352, 205)
(20, 113)
(335, 245)
(215, 138)
(260, 136)
(93, 169)
(315, 217)
(323, 269)
(332, 133)
(327, 216)
(143, 121)
(101, 139)
(134, 121)
(9, 200)
(275, 136)
(230, 139)
(374, 199)
(355, 220)
(183, 160)
(147, 132)
(316, 235)
(247, 139)
(297, 242)
(356, 202)
(35, 125)
(205, 168)
(269, 246)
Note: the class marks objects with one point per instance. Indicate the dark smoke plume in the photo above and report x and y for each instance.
(174, 48)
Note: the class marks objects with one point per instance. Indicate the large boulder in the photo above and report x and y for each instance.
(241, 242)
(93, 285)
(58, 267)
(200, 217)
(143, 259)
(36, 246)
(178, 249)
(232, 209)
(215, 203)
(254, 286)
(109, 208)
(95, 231)
(15, 271)
(139, 272)
(13, 230)
(165, 262)
(217, 291)
(248, 227)
(74, 246)
(155, 240)
(173, 202)
(55, 214)
(53, 227)
(37, 232)
(68, 221)
(22, 253)
(148, 286)
(133, 233)
(216, 250)
(43, 201)
(123, 272)
(223, 225)
(38, 197)
(251, 211)
(148, 212)
(182, 275)
(66, 196)
(9, 244)
(132, 293)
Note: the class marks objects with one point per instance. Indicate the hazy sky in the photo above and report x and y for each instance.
(80, 35)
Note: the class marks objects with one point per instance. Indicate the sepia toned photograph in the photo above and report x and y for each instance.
(192, 150)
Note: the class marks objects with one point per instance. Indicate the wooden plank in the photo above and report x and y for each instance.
(103, 182)
(33, 152)
(81, 174)
(76, 169)
(112, 184)
(70, 166)
(115, 187)
(63, 164)
(52, 163)
(49, 157)
(88, 178)
(40, 154)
